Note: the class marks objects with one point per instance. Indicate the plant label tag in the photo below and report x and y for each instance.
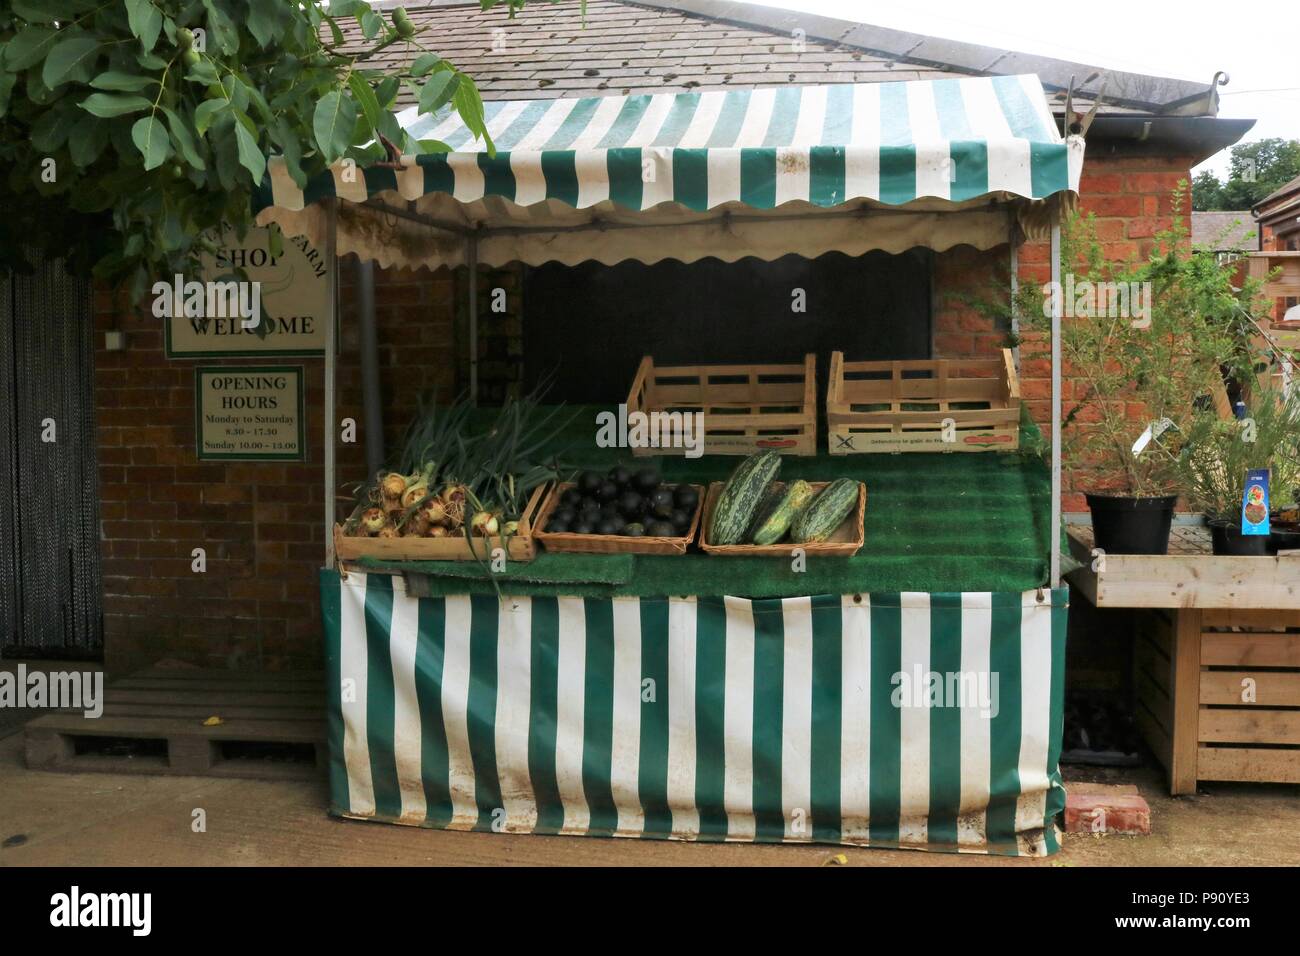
(1152, 431)
(1254, 503)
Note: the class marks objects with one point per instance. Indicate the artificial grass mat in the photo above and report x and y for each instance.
(963, 521)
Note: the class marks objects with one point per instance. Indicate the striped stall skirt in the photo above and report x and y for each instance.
(917, 720)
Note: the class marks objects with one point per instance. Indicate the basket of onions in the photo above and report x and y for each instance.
(457, 493)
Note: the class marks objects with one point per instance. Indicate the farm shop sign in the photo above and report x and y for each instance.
(245, 413)
(294, 304)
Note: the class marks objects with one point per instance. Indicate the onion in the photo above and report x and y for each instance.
(413, 494)
(484, 523)
(373, 520)
(438, 531)
(387, 531)
(393, 485)
(511, 528)
(433, 511)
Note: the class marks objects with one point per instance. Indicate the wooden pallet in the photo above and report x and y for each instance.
(272, 727)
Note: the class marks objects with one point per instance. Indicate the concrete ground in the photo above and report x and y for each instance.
(91, 819)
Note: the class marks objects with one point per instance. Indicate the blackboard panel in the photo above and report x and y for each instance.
(590, 324)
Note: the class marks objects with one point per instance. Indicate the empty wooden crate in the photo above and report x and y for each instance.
(923, 405)
(744, 408)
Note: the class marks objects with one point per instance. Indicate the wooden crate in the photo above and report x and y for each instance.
(609, 543)
(1217, 693)
(844, 542)
(746, 408)
(903, 406)
(1248, 725)
(519, 547)
(272, 727)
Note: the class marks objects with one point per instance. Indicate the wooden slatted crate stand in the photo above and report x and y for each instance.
(745, 408)
(1216, 656)
(1218, 692)
(158, 721)
(934, 405)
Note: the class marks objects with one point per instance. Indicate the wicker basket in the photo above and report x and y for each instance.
(609, 543)
(935, 405)
(519, 547)
(746, 408)
(844, 542)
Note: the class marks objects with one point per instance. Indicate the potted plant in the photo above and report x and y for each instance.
(1146, 345)
(1217, 455)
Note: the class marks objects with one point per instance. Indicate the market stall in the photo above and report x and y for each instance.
(909, 694)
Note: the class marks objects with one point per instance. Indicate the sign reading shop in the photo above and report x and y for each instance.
(294, 303)
(249, 413)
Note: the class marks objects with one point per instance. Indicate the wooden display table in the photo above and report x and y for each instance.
(1216, 655)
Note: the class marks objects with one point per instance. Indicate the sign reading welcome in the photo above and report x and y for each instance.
(249, 413)
(295, 306)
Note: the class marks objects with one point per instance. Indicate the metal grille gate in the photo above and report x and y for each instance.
(50, 589)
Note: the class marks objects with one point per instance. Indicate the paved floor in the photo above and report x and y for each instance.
(100, 819)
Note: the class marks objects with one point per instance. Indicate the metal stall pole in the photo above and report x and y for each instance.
(331, 259)
(1015, 291)
(1055, 543)
(471, 262)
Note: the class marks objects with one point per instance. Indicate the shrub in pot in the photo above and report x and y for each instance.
(1146, 344)
(1217, 454)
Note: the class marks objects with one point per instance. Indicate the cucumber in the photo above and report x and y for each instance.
(791, 504)
(766, 505)
(740, 497)
(826, 512)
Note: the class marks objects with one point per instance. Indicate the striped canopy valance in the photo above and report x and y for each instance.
(891, 143)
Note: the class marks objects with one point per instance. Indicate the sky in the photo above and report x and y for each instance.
(1257, 45)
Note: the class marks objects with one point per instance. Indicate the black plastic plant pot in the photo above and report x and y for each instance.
(1228, 540)
(1123, 525)
(1285, 536)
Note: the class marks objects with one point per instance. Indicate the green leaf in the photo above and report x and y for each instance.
(202, 72)
(87, 140)
(333, 122)
(145, 22)
(371, 24)
(222, 28)
(46, 11)
(470, 106)
(184, 139)
(263, 21)
(365, 96)
(28, 46)
(206, 111)
(425, 63)
(151, 139)
(387, 90)
(66, 56)
(250, 156)
(107, 104)
(52, 129)
(124, 82)
(438, 91)
(7, 81)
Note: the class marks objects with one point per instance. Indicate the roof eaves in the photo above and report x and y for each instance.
(1152, 94)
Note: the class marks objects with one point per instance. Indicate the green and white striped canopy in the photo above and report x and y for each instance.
(951, 140)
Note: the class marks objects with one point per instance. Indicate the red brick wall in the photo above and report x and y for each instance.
(260, 523)
(1132, 200)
